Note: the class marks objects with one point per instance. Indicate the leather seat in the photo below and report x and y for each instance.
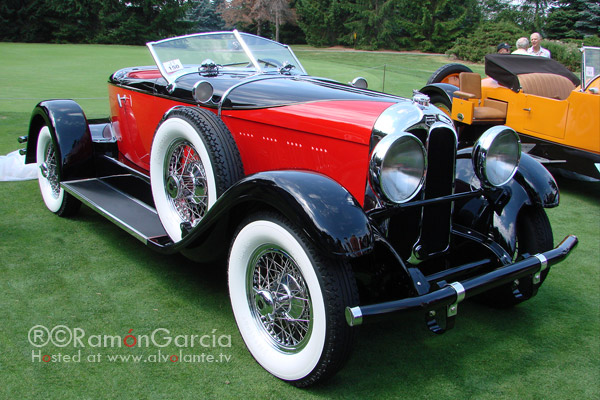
(470, 88)
(546, 85)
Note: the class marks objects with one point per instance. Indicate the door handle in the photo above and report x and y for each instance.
(123, 99)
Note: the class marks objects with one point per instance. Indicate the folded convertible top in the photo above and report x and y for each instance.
(504, 68)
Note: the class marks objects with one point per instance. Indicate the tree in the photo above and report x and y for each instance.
(430, 25)
(204, 15)
(484, 40)
(588, 22)
(49, 20)
(323, 21)
(438, 23)
(560, 23)
(281, 13)
(258, 12)
(573, 19)
(540, 8)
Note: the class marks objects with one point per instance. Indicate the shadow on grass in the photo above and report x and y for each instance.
(187, 276)
(587, 190)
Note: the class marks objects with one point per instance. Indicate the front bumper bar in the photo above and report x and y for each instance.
(450, 295)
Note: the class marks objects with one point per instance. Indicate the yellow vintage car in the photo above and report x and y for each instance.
(556, 114)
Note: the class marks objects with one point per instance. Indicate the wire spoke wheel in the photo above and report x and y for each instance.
(49, 170)
(289, 298)
(193, 161)
(279, 298)
(55, 197)
(186, 182)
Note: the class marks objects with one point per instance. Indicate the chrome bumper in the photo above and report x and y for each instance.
(450, 295)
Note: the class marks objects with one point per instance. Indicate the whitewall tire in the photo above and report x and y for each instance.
(289, 302)
(55, 197)
(192, 162)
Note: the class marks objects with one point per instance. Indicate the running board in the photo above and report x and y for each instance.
(131, 214)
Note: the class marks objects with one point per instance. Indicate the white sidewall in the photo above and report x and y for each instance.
(169, 131)
(44, 141)
(287, 366)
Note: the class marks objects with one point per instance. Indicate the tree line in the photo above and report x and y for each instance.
(427, 25)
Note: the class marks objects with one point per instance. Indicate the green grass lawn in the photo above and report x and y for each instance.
(89, 275)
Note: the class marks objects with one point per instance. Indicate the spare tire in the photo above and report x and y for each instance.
(193, 161)
(448, 74)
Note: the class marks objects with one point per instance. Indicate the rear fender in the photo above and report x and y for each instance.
(71, 136)
(532, 185)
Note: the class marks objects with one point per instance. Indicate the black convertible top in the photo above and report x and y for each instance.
(504, 68)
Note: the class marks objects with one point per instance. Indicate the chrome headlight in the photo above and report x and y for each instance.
(496, 156)
(397, 168)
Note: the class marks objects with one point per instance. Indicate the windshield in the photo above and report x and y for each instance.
(228, 51)
(591, 65)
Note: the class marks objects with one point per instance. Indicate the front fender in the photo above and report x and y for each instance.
(532, 185)
(325, 211)
(444, 89)
(71, 136)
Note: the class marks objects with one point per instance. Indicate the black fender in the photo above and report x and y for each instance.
(444, 89)
(71, 135)
(329, 216)
(532, 185)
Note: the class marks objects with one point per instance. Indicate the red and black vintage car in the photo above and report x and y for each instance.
(330, 203)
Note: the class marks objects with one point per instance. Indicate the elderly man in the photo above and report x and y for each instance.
(536, 49)
(522, 45)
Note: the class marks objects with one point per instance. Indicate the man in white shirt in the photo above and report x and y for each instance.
(522, 45)
(535, 48)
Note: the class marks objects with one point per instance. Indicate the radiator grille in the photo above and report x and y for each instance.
(436, 219)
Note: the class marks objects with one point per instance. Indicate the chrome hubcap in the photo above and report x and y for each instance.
(279, 299)
(173, 187)
(264, 303)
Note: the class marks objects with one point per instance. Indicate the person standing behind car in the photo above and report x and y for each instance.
(536, 49)
(503, 48)
(522, 45)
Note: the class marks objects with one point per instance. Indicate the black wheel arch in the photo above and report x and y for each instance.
(71, 136)
(442, 89)
(325, 212)
(532, 185)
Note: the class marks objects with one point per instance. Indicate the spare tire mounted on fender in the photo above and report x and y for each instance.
(193, 161)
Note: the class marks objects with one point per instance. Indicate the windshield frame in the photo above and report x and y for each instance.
(587, 79)
(171, 77)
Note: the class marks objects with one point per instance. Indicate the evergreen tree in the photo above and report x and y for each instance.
(204, 15)
(573, 19)
(588, 19)
(323, 21)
